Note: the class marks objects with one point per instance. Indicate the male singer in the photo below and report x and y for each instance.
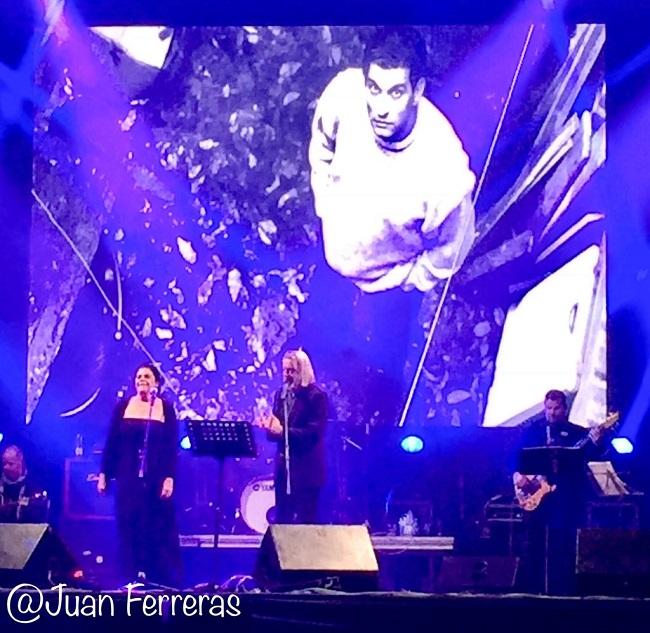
(301, 442)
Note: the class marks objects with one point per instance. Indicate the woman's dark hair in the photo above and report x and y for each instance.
(397, 47)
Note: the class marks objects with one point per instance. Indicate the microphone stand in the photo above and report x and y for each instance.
(141, 473)
(287, 454)
(145, 446)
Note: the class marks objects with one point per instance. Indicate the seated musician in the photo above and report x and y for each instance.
(554, 508)
(19, 501)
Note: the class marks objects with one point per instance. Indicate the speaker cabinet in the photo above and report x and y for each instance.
(332, 556)
(478, 573)
(613, 562)
(81, 500)
(32, 552)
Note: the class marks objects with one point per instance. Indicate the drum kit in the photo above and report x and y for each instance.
(249, 490)
(257, 500)
(247, 509)
(248, 502)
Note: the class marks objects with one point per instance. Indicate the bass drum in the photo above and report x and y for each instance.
(257, 504)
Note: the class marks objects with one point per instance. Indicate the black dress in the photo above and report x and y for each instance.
(146, 524)
(308, 412)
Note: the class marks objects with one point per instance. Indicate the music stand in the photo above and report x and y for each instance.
(606, 479)
(551, 461)
(555, 463)
(220, 439)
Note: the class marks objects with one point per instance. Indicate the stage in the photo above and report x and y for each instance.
(201, 209)
(333, 611)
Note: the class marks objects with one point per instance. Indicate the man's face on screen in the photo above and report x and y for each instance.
(392, 101)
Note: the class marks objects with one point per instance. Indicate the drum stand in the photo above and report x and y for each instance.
(220, 439)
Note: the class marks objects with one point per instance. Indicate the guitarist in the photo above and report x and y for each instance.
(554, 429)
(18, 501)
(561, 503)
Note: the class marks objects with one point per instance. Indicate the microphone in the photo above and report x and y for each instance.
(153, 392)
(285, 390)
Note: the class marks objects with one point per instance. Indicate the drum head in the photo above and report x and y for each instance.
(258, 503)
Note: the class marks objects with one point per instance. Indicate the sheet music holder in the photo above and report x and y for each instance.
(608, 483)
(554, 462)
(221, 439)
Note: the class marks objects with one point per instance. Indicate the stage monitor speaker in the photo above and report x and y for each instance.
(477, 573)
(613, 562)
(33, 553)
(332, 556)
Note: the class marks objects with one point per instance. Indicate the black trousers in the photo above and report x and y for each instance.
(147, 533)
(549, 547)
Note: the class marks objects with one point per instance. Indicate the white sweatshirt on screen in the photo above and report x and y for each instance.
(383, 205)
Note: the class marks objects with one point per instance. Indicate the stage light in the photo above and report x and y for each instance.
(412, 444)
(2, 437)
(622, 445)
(185, 443)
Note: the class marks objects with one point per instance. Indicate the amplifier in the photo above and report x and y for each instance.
(613, 562)
(81, 500)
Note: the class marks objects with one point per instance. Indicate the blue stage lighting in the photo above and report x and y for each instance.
(622, 445)
(412, 444)
(186, 444)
